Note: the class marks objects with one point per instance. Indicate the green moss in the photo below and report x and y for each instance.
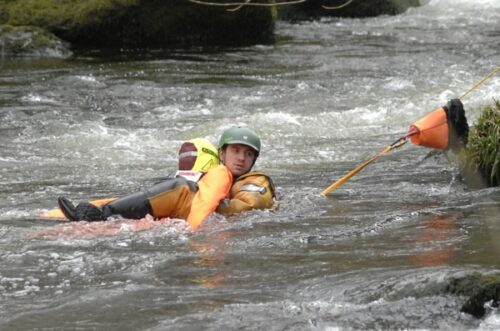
(479, 289)
(481, 158)
(141, 23)
(31, 41)
(59, 13)
(42, 38)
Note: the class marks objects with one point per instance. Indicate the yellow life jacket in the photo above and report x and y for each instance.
(197, 154)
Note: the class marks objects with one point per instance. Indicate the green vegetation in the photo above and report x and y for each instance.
(480, 161)
(53, 13)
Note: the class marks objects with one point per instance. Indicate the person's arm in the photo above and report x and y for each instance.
(253, 192)
(212, 188)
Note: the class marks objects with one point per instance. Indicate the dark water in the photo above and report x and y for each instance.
(375, 254)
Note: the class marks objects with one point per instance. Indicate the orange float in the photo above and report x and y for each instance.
(431, 130)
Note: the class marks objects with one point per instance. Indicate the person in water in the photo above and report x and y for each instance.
(228, 188)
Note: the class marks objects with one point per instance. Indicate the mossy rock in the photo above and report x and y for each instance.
(479, 162)
(142, 23)
(480, 290)
(312, 9)
(26, 41)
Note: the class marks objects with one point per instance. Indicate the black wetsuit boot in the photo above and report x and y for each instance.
(83, 212)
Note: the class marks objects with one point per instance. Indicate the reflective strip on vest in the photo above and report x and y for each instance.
(253, 188)
(187, 154)
(193, 176)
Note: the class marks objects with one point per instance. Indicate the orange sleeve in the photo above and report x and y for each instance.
(253, 192)
(212, 188)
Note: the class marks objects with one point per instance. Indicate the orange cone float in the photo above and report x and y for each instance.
(431, 130)
(445, 128)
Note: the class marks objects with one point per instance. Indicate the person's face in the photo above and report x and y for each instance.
(238, 158)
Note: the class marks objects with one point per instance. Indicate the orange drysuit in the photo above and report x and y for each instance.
(195, 201)
(253, 190)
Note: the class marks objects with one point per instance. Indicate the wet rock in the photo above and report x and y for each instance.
(141, 23)
(480, 289)
(31, 42)
(312, 9)
(479, 162)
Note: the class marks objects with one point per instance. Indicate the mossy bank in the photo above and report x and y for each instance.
(129, 24)
(153, 24)
(479, 162)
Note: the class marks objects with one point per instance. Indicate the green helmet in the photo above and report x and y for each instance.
(240, 135)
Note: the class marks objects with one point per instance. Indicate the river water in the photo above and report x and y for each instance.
(376, 253)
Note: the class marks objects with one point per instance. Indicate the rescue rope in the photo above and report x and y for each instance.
(398, 143)
(488, 76)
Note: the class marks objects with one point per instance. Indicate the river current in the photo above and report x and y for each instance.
(377, 253)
